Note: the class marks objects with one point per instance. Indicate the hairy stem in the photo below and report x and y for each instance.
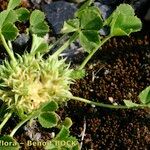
(93, 52)
(104, 105)
(65, 45)
(10, 53)
(8, 115)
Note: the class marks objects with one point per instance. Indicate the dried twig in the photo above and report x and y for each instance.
(83, 133)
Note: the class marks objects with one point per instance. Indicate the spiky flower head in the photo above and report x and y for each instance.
(33, 80)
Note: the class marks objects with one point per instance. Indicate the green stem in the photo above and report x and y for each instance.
(8, 115)
(65, 45)
(23, 122)
(58, 41)
(10, 53)
(102, 104)
(93, 52)
(9, 44)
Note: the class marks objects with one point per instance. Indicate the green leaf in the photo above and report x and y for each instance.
(39, 45)
(9, 31)
(90, 18)
(23, 14)
(36, 17)
(50, 106)
(122, 27)
(120, 9)
(78, 74)
(63, 141)
(13, 4)
(6, 17)
(70, 26)
(130, 104)
(64, 133)
(37, 24)
(89, 40)
(48, 119)
(145, 96)
(86, 4)
(8, 143)
(123, 21)
(50, 146)
(40, 29)
(126, 8)
(67, 122)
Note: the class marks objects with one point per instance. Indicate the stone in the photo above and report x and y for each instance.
(58, 12)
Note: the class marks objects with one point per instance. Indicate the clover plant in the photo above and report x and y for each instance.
(88, 21)
(34, 87)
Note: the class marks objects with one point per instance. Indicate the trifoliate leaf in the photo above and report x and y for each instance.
(36, 17)
(48, 119)
(123, 21)
(90, 18)
(50, 106)
(40, 29)
(89, 40)
(39, 45)
(13, 4)
(130, 104)
(23, 14)
(9, 31)
(145, 96)
(70, 26)
(11, 143)
(7, 16)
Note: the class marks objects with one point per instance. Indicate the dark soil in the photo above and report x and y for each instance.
(120, 71)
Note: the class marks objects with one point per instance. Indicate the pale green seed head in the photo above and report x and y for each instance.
(33, 80)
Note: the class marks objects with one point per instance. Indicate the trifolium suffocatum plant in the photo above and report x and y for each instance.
(27, 81)
(34, 86)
